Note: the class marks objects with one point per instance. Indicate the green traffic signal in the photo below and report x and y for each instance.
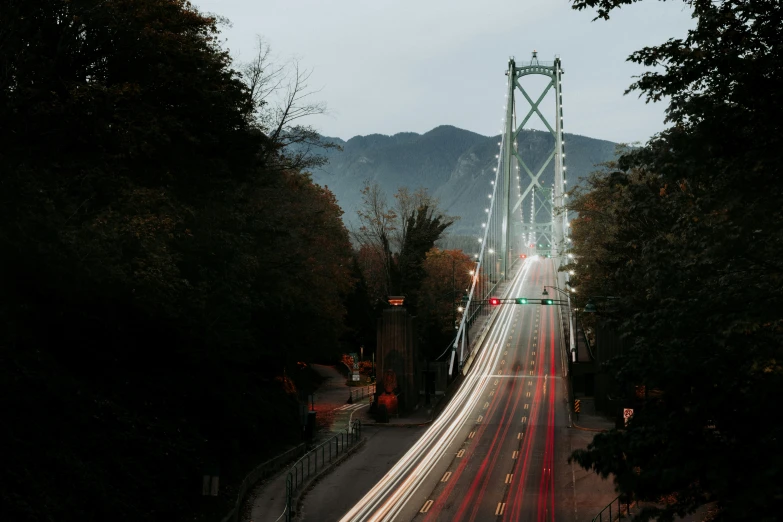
(521, 300)
(546, 302)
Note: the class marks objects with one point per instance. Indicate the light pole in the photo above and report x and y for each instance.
(572, 322)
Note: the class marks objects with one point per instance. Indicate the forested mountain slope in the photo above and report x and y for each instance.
(454, 164)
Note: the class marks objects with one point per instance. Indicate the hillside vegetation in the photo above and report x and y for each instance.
(455, 166)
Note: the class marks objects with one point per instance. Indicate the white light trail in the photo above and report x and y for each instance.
(388, 497)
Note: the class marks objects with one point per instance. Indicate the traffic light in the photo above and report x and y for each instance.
(522, 256)
(494, 301)
(521, 300)
(546, 302)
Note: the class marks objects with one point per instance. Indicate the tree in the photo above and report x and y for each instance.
(377, 223)
(447, 279)
(281, 98)
(693, 250)
(157, 264)
(398, 239)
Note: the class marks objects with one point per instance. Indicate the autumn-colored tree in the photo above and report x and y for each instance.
(399, 236)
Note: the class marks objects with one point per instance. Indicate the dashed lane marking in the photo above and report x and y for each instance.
(426, 507)
(508, 478)
(499, 510)
(460, 453)
(515, 454)
(446, 476)
(470, 435)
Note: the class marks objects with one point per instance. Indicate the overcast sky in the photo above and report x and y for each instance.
(389, 66)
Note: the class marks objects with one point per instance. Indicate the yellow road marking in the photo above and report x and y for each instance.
(499, 510)
(508, 478)
(446, 476)
(470, 435)
(515, 454)
(460, 453)
(426, 507)
(526, 405)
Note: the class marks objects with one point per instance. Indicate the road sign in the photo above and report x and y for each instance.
(355, 376)
(627, 414)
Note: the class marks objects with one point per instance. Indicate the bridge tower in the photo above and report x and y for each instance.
(547, 229)
(506, 235)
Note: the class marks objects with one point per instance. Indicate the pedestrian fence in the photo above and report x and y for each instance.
(317, 460)
(615, 510)
(361, 393)
(264, 470)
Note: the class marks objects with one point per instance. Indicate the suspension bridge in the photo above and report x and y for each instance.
(493, 452)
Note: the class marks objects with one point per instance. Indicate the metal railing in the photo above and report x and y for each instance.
(360, 393)
(261, 472)
(318, 459)
(615, 510)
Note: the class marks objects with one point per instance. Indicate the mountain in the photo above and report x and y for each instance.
(455, 165)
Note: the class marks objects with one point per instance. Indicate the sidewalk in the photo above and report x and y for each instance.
(334, 413)
(591, 492)
(267, 502)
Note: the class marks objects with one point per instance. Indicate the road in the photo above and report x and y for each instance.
(492, 453)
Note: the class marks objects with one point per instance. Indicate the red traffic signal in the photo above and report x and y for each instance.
(522, 256)
(494, 301)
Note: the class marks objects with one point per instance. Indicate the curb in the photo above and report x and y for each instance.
(588, 429)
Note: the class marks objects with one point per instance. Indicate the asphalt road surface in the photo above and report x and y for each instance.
(493, 453)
